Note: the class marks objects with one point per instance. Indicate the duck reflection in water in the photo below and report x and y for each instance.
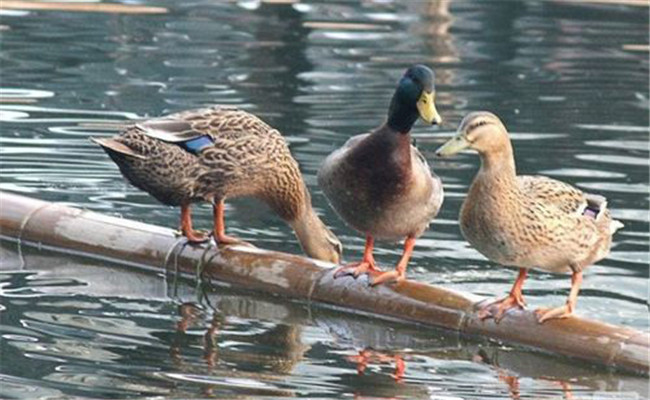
(512, 380)
(369, 356)
(281, 345)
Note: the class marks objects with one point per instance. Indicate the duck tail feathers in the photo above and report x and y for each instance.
(615, 225)
(113, 146)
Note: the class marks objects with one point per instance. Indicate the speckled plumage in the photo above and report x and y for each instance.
(247, 158)
(527, 221)
(531, 221)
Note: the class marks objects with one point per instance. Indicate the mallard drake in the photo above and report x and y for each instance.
(217, 153)
(380, 184)
(527, 221)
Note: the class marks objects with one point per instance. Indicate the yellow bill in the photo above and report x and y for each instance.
(427, 109)
(454, 145)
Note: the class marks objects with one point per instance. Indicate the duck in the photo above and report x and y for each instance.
(381, 185)
(213, 154)
(527, 221)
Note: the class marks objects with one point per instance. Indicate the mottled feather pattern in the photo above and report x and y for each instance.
(553, 192)
(248, 158)
(535, 222)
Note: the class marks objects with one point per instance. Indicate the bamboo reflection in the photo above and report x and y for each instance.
(279, 350)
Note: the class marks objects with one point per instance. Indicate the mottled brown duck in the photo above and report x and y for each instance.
(217, 153)
(527, 221)
(380, 184)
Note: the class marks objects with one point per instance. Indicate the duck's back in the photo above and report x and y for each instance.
(205, 153)
(539, 223)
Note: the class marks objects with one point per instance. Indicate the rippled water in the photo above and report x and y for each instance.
(570, 80)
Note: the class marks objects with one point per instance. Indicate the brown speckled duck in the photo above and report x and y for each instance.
(527, 221)
(217, 153)
(380, 184)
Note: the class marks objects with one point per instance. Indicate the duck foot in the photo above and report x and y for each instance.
(225, 240)
(393, 276)
(565, 311)
(502, 306)
(514, 299)
(367, 263)
(545, 314)
(194, 236)
(399, 273)
(355, 269)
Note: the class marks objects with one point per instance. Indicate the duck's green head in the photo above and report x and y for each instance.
(414, 97)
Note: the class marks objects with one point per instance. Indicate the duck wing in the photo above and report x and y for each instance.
(552, 192)
(178, 132)
(567, 198)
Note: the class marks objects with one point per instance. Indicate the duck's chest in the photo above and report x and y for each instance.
(382, 168)
(489, 221)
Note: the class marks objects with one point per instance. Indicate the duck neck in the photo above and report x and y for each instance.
(498, 165)
(401, 117)
(311, 232)
(303, 225)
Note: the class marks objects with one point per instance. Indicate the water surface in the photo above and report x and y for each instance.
(570, 80)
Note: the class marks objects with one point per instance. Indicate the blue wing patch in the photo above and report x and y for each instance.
(195, 145)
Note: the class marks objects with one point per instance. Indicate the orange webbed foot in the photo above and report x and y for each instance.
(355, 269)
(545, 314)
(393, 276)
(565, 311)
(226, 240)
(502, 306)
(195, 236)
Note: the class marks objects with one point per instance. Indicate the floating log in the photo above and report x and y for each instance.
(35, 222)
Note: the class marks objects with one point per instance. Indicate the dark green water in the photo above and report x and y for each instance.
(569, 80)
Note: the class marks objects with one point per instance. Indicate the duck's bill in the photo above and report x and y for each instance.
(427, 109)
(454, 145)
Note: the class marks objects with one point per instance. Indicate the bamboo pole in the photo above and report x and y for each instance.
(34, 222)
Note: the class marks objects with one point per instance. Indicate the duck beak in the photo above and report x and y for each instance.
(454, 145)
(427, 109)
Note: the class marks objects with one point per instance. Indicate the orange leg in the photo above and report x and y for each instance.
(186, 226)
(367, 356)
(220, 226)
(544, 314)
(400, 368)
(361, 360)
(210, 339)
(399, 273)
(514, 299)
(359, 268)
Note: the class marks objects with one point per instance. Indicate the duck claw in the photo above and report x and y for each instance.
(194, 236)
(384, 277)
(354, 269)
(545, 314)
(502, 305)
